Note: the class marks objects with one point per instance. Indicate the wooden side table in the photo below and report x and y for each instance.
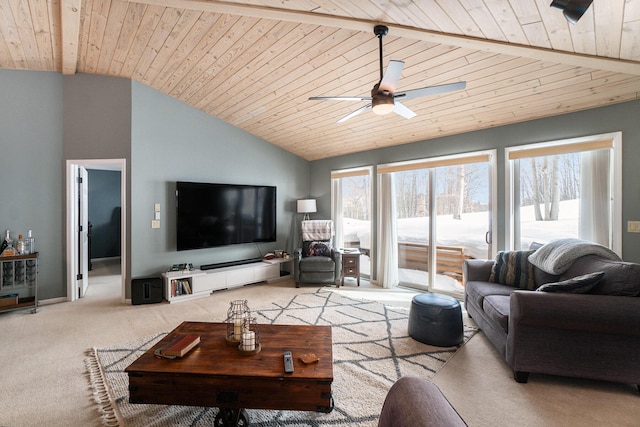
(350, 266)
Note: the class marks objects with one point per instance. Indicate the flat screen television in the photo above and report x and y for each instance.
(213, 215)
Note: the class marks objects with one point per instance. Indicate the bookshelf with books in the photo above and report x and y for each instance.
(186, 284)
(181, 287)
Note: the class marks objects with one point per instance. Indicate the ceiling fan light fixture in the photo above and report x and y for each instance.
(572, 9)
(381, 101)
(382, 105)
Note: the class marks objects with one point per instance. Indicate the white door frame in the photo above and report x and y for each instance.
(72, 241)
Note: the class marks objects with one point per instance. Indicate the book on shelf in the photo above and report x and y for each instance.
(180, 287)
(186, 286)
(180, 345)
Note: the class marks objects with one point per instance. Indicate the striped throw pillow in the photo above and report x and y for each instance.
(513, 268)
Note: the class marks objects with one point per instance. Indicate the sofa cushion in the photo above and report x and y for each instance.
(577, 285)
(540, 277)
(512, 268)
(317, 263)
(477, 291)
(620, 278)
(496, 307)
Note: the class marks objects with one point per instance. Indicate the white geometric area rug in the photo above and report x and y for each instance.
(371, 351)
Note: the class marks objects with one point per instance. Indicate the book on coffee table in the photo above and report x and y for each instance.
(180, 346)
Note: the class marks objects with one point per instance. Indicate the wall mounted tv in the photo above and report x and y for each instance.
(213, 215)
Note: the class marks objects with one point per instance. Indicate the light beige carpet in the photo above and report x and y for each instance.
(479, 384)
(371, 350)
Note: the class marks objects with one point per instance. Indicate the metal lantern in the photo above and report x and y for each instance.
(236, 315)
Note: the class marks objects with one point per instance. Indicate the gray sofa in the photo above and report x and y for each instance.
(593, 335)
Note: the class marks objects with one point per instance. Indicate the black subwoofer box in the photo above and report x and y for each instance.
(147, 290)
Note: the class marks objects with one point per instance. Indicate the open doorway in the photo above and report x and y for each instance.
(78, 229)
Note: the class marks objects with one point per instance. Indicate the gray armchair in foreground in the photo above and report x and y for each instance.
(417, 402)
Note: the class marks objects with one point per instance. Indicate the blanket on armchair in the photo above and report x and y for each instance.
(557, 256)
(317, 229)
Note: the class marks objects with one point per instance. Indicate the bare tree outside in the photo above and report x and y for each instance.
(356, 200)
(546, 181)
(412, 194)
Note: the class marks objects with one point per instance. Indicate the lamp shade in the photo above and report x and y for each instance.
(307, 206)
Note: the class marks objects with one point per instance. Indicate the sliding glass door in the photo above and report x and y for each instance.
(443, 215)
(462, 221)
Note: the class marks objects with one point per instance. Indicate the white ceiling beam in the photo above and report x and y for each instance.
(303, 17)
(70, 34)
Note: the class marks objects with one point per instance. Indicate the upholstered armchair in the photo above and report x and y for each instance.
(317, 262)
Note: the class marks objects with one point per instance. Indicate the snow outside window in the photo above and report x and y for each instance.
(565, 189)
(351, 212)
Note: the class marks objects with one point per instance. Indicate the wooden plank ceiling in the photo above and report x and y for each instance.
(254, 64)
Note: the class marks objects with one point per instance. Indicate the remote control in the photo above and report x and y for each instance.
(288, 362)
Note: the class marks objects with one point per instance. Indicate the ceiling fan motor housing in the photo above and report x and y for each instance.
(381, 101)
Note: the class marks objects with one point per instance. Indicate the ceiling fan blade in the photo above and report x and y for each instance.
(431, 90)
(403, 110)
(391, 77)
(355, 113)
(340, 98)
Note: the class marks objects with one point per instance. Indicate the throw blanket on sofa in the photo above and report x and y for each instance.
(318, 229)
(557, 256)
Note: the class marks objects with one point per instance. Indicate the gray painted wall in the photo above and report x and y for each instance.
(30, 159)
(623, 117)
(172, 142)
(97, 125)
(97, 117)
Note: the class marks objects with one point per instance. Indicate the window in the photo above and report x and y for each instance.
(351, 212)
(565, 189)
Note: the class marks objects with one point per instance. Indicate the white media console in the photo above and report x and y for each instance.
(187, 284)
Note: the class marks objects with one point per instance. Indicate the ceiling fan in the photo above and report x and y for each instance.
(384, 98)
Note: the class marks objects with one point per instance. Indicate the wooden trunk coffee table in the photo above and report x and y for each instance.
(216, 374)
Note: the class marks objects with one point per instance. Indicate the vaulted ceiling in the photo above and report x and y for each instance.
(254, 64)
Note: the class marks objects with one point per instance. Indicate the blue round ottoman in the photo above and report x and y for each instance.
(436, 320)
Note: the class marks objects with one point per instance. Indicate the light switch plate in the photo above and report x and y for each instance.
(155, 224)
(156, 207)
(156, 215)
(633, 226)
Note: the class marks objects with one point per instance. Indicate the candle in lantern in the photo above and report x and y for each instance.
(237, 328)
(249, 341)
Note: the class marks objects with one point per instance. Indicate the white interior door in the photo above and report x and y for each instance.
(81, 231)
